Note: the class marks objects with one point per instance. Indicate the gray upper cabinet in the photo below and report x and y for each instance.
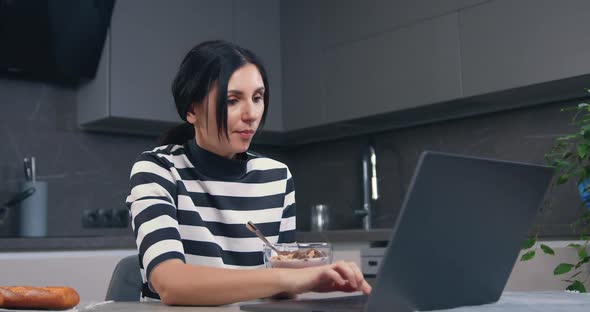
(303, 71)
(146, 43)
(257, 27)
(509, 44)
(351, 20)
(344, 60)
(406, 68)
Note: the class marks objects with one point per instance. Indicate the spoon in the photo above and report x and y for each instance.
(252, 228)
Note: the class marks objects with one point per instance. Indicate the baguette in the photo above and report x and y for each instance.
(51, 297)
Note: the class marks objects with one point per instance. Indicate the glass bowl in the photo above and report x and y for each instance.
(297, 255)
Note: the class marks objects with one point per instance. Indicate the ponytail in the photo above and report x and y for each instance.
(178, 135)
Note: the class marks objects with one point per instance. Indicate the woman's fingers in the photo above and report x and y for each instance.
(366, 288)
(345, 269)
(362, 283)
(358, 274)
(335, 277)
(351, 272)
(340, 276)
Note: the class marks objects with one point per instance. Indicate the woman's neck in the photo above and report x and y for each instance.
(212, 149)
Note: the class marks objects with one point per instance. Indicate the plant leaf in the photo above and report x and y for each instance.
(577, 246)
(563, 178)
(567, 137)
(547, 249)
(528, 256)
(562, 163)
(562, 268)
(529, 243)
(582, 151)
(576, 286)
(582, 254)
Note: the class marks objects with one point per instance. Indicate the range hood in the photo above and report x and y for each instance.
(53, 41)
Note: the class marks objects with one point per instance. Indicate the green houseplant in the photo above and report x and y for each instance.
(570, 156)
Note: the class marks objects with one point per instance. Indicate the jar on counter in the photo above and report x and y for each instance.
(320, 217)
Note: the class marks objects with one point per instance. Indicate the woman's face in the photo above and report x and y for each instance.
(245, 106)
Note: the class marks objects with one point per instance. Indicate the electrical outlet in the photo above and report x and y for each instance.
(90, 218)
(105, 218)
(121, 217)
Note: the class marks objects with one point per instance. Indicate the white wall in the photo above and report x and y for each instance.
(537, 274)
(89, 272)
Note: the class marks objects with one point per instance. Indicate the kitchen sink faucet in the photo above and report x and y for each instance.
(370, 192)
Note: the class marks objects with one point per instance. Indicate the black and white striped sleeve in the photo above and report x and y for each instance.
(152, 203)
(288, 221)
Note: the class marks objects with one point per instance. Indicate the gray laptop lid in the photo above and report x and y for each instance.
(456, 239)
(459, 232)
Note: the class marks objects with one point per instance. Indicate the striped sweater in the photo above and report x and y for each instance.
(190, 204)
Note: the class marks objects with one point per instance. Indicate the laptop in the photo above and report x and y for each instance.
(456, 239)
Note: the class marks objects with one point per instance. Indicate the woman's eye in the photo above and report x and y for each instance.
(258, 99)
(232, 101)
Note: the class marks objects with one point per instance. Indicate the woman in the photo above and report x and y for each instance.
(191, 197)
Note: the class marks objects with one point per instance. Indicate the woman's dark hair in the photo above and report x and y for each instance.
(207, 63)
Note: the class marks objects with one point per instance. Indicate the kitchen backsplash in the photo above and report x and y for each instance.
(330, 172)
(83, 170)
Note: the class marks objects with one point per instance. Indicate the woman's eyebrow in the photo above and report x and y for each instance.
(238, 92)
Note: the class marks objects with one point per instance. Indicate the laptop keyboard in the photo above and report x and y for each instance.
(337, 302)
(348, 304)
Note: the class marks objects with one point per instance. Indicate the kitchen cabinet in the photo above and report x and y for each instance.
(345, 21)
(340, 68)
(345, 60)
(303, 72)
(509, 44)
(256, 26)
(407, 68)
(146, 43)
(361, 67)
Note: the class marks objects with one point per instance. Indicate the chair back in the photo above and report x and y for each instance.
(126, 282)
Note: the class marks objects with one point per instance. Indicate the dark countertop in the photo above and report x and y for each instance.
(13, 244)
(341, 236)
(66, 243)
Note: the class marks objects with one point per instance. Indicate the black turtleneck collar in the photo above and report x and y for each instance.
(216, 166)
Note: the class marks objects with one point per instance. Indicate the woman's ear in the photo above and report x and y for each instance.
(192, 114)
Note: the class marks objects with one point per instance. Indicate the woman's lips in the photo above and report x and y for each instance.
(247, 134)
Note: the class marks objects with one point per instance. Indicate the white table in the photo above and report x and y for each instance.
(555, 301)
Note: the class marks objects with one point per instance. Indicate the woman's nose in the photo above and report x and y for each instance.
(250, 111)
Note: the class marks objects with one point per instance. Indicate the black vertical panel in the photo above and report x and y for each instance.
(54, 41)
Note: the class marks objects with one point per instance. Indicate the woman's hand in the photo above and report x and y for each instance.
(339, 276)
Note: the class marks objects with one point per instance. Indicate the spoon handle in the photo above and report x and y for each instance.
(252, 228)
(256, 231)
